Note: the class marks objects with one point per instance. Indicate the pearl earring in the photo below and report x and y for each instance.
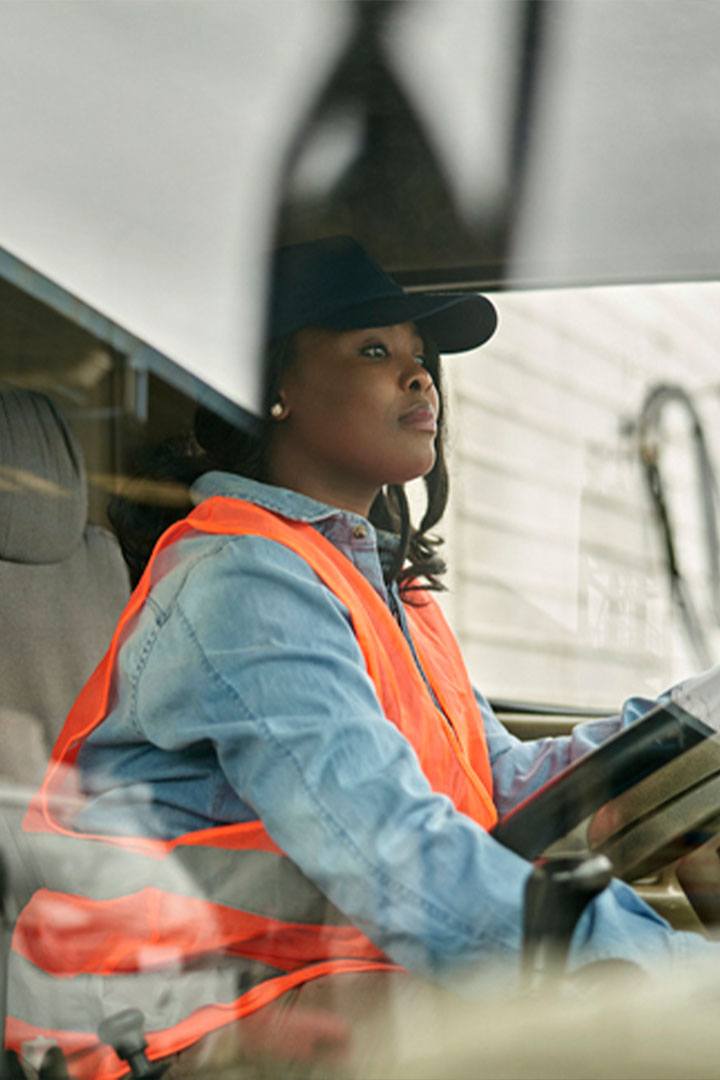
(277, 410)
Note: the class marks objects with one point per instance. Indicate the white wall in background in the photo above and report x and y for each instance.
(558, 587)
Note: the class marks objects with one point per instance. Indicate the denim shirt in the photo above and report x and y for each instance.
(241, 693)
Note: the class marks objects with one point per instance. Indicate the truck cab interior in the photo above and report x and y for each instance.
(562, 158)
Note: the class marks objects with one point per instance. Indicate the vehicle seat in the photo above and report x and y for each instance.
(63, 582)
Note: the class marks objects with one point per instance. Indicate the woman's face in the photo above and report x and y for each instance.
(359, 411)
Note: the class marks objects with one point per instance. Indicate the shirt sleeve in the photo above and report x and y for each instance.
(275, 680)
(521, 767)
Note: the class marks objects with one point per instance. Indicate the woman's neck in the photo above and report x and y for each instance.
(325, 488)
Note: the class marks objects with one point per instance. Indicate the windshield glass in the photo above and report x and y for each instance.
(273, 802)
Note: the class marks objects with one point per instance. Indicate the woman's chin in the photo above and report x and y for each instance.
(413, 470)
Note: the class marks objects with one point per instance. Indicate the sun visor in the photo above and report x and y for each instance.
(151, 149)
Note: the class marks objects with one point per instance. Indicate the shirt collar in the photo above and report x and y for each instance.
(292, 505)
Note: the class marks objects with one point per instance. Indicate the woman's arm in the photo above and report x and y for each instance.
(275, 680)
(522, 767)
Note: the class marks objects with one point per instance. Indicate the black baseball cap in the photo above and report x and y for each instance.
(334, 283)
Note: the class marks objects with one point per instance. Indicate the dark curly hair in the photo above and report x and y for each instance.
(158, 495)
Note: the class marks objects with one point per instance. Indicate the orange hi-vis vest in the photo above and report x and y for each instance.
(212, 925)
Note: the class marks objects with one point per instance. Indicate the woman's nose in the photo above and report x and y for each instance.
(416, 376)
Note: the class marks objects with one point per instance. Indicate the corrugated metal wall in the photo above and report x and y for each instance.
(558, 591)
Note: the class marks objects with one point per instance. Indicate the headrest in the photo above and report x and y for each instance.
(43, 495)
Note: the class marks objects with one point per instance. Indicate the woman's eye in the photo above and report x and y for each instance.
(376, 352)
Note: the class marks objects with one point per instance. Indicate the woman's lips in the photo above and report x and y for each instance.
(422, 418)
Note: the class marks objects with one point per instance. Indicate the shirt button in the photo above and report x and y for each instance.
(359, 532)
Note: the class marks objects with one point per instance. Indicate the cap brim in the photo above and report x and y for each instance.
(455, 321)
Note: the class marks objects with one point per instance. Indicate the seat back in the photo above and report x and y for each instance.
(63, 582)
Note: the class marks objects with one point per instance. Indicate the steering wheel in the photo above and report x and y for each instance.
(652, 791)
(664, 817)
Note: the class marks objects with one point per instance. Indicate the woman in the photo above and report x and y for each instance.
(286, 713)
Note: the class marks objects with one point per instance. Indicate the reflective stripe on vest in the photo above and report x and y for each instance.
(187, 902)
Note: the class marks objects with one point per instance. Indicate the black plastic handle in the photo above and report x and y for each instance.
(556, 894)
(125, 1032)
